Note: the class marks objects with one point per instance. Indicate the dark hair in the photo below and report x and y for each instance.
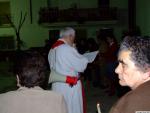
(112, 37)
(31, 69)
(140, 51)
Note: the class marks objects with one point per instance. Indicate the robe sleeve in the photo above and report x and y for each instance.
(73, 59)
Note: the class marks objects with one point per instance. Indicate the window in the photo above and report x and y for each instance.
(7, 43)
(4, 12)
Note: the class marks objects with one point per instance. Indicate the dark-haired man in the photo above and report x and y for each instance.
(30, 97)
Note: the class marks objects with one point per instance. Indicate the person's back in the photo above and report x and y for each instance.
(30, 97)
(34, 100)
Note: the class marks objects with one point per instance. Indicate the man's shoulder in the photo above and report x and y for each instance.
(142, 90)
(49, 93)
(65, 47)
(27, 100)
(140, 93)
(7, 94)
(134, 100)
(17, 93)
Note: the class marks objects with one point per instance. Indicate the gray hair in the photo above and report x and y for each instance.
(66, 32)
(140, 51)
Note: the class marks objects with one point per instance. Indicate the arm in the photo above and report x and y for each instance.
(75, 60)
(56, 77)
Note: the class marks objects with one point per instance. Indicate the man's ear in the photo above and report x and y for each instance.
(18, 81)
(147, 75)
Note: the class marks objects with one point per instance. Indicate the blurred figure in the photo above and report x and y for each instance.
(111, 59)
(92, 72)
(103, 48)
(81, 45)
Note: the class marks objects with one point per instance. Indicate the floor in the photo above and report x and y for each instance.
(98, 95)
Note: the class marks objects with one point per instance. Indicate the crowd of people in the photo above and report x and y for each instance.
(101, 72)
(127, 64)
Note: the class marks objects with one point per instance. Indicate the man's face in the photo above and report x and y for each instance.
(128, 73)
(71, 39)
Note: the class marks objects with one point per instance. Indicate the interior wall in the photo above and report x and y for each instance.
(143, 16)
(64, 4)
(119, 26)
(31, 34)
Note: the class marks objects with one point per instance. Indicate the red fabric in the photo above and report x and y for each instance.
(57, 43)
(111, 54)
(71, 80)
(84, 99)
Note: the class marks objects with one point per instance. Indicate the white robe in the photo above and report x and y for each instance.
(65, 60)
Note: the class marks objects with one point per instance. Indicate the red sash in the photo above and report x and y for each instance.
(57, 43)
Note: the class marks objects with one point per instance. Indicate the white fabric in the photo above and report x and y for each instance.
(32, 100)
(56, 77)
(65, 60)
(91, 56)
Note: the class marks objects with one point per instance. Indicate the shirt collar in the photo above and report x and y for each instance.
(26, 88)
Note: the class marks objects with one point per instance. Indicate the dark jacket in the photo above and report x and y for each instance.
(135, 100)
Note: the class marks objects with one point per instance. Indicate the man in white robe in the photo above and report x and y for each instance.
(64, 59)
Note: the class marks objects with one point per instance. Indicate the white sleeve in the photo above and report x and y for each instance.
(75, 60)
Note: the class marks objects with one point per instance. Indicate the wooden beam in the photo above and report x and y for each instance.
(132, 14)
(31, 18)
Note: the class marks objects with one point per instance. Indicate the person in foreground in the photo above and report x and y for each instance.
(134, 71)
(30, 97)
(65, 60)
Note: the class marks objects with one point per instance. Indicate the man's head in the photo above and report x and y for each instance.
(134, 61)
(30, 69)
(68, 34)
(110, 39)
